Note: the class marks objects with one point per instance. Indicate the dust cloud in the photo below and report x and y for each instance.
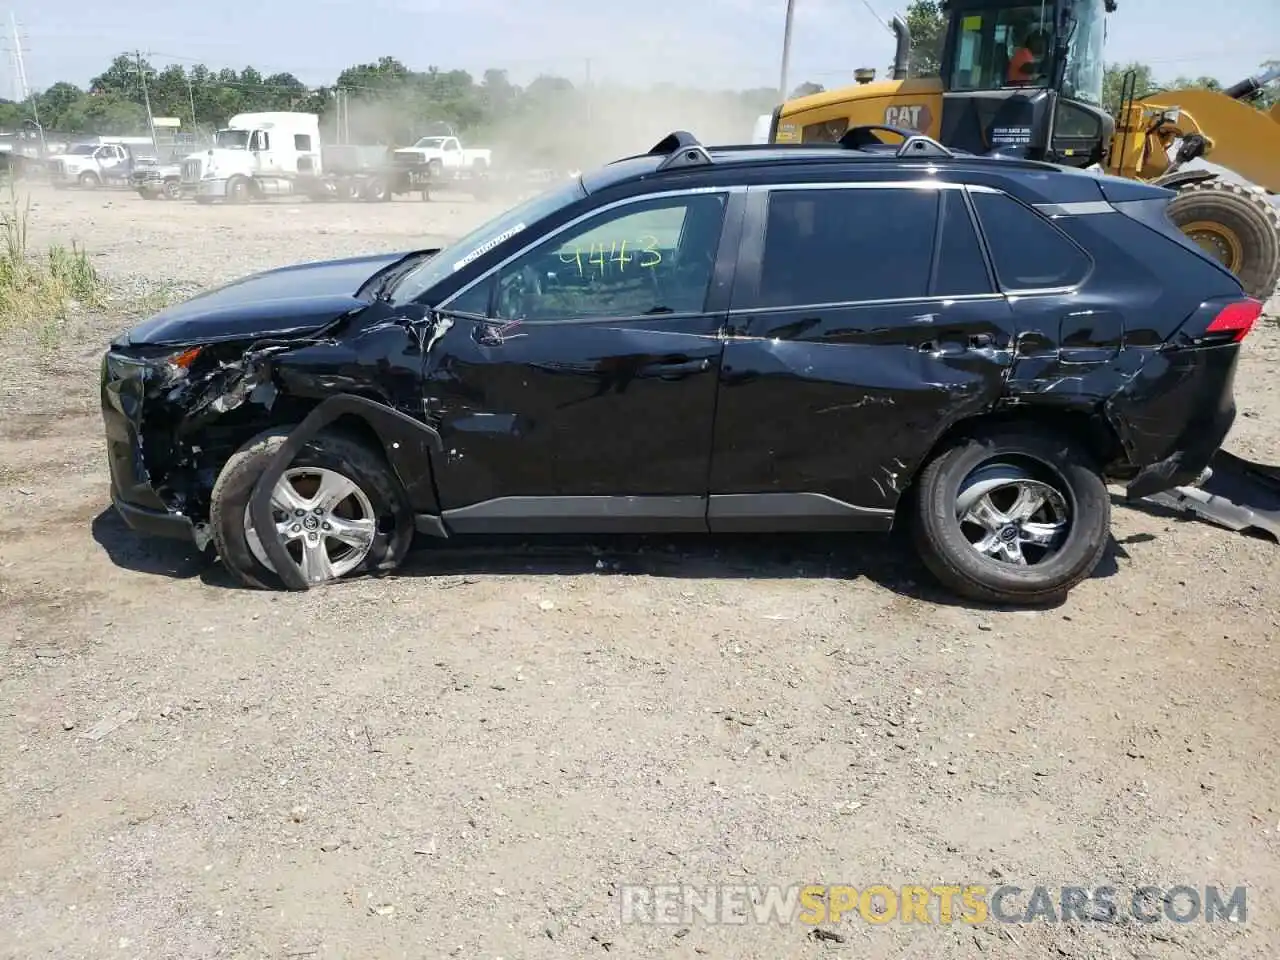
(645, 85)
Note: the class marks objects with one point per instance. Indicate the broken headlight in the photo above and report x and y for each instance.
(169, 366)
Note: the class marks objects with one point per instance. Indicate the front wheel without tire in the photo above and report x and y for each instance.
(338, 511)
(1238, 227)
(1012, 516)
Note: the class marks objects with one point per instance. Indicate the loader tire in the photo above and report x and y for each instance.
(1238, 227)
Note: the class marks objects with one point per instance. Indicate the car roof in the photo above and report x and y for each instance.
(680, 152)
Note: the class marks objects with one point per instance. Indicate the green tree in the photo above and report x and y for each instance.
(1114, 80)
(1271, 95)
(121, 78)
(928, 28)
(1199, 83)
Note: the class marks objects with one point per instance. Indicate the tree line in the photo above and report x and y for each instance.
(387, 102)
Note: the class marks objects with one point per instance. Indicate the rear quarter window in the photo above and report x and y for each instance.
(1027, 251)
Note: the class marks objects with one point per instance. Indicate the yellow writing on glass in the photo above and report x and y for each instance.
(600, 257)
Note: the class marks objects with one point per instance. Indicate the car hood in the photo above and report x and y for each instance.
(288, 301)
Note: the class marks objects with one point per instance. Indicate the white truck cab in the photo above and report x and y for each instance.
(256, 154)
(447, 154)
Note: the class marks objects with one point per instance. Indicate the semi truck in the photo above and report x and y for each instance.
(280, 154)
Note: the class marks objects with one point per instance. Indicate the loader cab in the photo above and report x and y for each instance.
(1024, 78)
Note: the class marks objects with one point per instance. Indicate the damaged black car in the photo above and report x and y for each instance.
(742, 339)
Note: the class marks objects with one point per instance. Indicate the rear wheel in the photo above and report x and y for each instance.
(1012, 516)
(1238, 227)
(377, 190)
(338, 511)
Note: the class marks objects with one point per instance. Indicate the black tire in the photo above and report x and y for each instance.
(435, 169)
(89, 181)
(172, 190)
(1247, 215)
(332, 451)
(376, 190)
(1040, 455)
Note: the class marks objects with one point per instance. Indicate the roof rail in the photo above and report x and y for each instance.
(914, 143)
(681, 149)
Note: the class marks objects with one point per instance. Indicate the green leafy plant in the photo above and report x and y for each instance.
(41, 290)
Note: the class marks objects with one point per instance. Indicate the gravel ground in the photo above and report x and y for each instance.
(470, 757)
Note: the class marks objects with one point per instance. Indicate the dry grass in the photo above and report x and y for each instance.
(41, 290)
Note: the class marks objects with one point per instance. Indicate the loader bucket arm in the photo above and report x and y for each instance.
(1245, 139)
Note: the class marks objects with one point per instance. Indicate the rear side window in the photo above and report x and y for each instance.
(959, 267)
(842, 245)
(1029, 252)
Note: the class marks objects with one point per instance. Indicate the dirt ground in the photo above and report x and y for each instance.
(469, 758)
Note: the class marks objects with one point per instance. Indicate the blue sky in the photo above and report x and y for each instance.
(719, 43)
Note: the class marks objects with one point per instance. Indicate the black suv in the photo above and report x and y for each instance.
(764, 338)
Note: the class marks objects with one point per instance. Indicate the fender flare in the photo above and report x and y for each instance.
(1183, 178)
(395, 429)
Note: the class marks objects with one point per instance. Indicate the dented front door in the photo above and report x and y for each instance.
(592, 374)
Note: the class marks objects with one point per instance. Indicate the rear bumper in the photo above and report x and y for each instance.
(1174, 416)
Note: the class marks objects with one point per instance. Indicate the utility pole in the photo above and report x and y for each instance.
(786, 51)
(146, 99)
(191, 99)
(587, 86)
(20, 68)
(23, 87)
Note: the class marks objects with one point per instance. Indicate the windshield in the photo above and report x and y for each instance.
(232, 139)
(83, 150)
(997, 47)
(430, 143)
(1083, 80)
(483, 239)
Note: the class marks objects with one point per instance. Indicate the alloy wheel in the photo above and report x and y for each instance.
(1010, 515)
(323, 519)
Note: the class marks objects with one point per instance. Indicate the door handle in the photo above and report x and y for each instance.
(675, 369)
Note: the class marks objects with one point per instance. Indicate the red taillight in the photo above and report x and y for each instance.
(1236, 318)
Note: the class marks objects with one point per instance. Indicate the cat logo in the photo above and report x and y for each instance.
(909, 116)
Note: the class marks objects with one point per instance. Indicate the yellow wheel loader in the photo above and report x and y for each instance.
(1025, 79)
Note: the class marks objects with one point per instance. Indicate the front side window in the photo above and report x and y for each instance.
(484, 238)
(650, 258)
(845, 245)
(1002, 47)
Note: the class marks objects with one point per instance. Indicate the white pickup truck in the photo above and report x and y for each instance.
(446, 156)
